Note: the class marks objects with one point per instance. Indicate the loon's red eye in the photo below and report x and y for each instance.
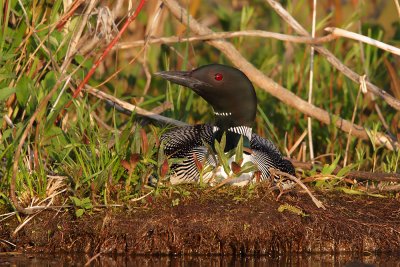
(218, 77)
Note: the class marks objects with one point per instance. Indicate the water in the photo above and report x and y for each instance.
(14, 259)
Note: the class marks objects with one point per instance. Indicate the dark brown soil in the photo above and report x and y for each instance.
(218, 223)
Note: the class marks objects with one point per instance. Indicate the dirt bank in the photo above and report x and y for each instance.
(218, 223)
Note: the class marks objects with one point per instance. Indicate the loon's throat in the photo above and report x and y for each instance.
(231, 122)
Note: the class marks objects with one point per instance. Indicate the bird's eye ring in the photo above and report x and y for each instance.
(218, 77)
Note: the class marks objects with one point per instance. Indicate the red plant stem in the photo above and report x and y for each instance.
(5, 15)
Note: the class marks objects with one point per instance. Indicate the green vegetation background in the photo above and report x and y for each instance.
(98, 155)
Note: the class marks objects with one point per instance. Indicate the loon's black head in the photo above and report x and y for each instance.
(226, 89)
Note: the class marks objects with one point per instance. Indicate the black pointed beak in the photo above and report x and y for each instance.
(182, 78)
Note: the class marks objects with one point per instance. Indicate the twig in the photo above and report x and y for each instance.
(270, 86)
(331, 58)
(154, 21)
(228, 35)
(6, 217)
(27, 219)
(297, 163)
(132, 108)
(298, 142)
(8, 243)
(389, 188)
(374, 176)
(364, 39)
(311, 80)
(142, 197)
(397, 6)
(162, 107)
(59, 95)
(9, 122)
(295, 179)
(92, 259)
(8, 214)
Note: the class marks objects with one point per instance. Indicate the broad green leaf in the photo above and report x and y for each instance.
(239, 150)
(79, 212)
(23, 90)
(221, 156)
(86, 203)
(49, 81)
(328, 169)
(76, 201)
(320, 183)
(223, 141)
(86, 63)
(247, 167)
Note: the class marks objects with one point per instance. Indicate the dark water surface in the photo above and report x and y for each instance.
(177, 261)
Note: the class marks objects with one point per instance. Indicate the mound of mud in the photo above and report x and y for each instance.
(218, 223)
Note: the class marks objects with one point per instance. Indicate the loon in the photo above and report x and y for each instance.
(233, 99)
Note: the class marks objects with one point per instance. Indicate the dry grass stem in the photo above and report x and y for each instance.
(311, 82)
(142, 197)
(72, 47)
(382, 119)
(389, 188)
(92, 259)
(302, 185)
(4, 217)
(227, 35)
(8, 243)
(364, 39)
(298, 142)
(374, 176)
(154, 20)
(397, 6)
